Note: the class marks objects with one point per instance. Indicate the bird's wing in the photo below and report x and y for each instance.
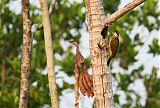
(113, 46)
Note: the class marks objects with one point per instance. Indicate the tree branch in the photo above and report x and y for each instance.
(36, 27)
(49, 53)
(107, 21)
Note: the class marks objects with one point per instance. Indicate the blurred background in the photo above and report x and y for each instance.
(136, 68)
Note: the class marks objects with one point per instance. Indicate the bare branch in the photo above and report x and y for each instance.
(36, 27)
(107, 21)
(49, 53)
(76, 86)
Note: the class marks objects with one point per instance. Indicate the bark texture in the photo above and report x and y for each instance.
(49, 53)
(101, 74)
(26, 55)
(97, 24)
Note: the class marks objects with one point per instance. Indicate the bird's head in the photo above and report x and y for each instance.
(116, 34)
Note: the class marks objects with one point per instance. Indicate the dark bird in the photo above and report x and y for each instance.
(113, 46)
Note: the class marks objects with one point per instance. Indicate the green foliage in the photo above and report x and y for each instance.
(153, 90)
(68, 68)
(127, 52)
(111, 6)
(155, 47)
(149, 9)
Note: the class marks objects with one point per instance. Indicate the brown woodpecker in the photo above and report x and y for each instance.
(113, 46)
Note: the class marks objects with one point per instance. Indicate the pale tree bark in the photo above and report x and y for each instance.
(26, 55)
(76, 85)
(35, 26)
(101, 74)
(49, 54)
(102, 81)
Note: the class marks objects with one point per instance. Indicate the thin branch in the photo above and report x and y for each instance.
(154, 99)
(49, 53)
(36, 27)
(76, 86)
(77, 60)
(107, 21)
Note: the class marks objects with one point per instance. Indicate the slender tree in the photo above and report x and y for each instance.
(97, 26)
(26, 55)
(49, 53)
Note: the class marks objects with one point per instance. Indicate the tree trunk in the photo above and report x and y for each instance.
(97, 22)
(26, 55)
(49, 53)
(101, 75)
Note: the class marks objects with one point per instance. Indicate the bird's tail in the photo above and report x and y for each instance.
(109, 60)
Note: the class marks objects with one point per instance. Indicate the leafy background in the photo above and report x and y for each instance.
(136, 72)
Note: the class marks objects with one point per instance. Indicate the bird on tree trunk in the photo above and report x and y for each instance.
(113, 46)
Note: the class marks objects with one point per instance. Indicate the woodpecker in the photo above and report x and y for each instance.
(113, 46)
